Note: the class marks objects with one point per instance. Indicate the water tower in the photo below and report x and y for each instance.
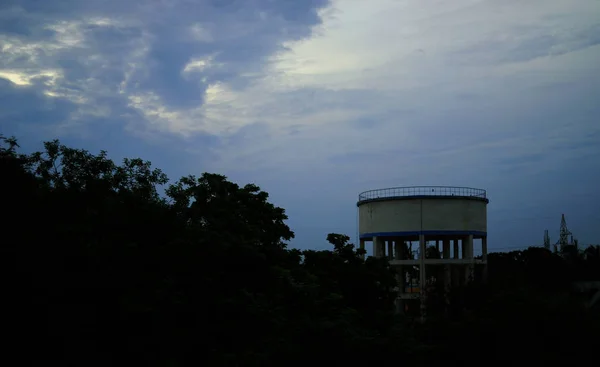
(394, 219)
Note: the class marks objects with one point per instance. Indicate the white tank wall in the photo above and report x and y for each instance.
(438, 214)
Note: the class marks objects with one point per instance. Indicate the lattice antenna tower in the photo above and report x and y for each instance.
(546, 240)
(564, 234)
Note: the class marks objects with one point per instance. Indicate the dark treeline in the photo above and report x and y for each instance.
(99, 269)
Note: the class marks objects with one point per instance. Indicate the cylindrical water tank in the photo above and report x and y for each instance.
(427, 210)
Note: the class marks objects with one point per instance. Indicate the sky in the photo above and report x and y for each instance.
(316, 101)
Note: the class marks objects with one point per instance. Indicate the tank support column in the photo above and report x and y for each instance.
(484, 257)
(455, 268)
(374, 247)
(378, 247)
(362, 247)
(398, 250)
(446, 249)
(468, 255)
(456, 249)
(399, 255)
(422, 276)
(447, 272)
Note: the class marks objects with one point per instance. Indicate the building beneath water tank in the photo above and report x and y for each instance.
(394, 219)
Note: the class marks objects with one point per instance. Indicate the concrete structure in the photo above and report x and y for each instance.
(455, 217)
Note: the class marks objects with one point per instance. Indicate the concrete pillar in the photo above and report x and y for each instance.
(422, 276)
(455, 243)
(455, 278)
(447, 281)
(376, 247)
(468, 247)
(401, 289)
(484, 258)
(381, 245)
(454, 270)
(446, 249)
(484, 248)
(390, 253)
(437, 245)
(399, 255)
(447, 267)
(362, 247)
(468, 255)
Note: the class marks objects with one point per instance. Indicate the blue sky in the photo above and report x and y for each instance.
(317, 100)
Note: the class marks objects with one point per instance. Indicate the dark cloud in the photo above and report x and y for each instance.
(26, 110)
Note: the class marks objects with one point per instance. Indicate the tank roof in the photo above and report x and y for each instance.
(422, 191)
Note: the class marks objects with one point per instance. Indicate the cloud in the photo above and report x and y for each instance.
(30, 105)
(189, 67)
(169, 61)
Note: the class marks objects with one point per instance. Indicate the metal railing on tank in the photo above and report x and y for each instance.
(422, 191)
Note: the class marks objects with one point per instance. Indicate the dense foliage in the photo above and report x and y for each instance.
(101, 269)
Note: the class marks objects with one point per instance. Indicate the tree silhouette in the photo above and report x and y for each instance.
(100, 268)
